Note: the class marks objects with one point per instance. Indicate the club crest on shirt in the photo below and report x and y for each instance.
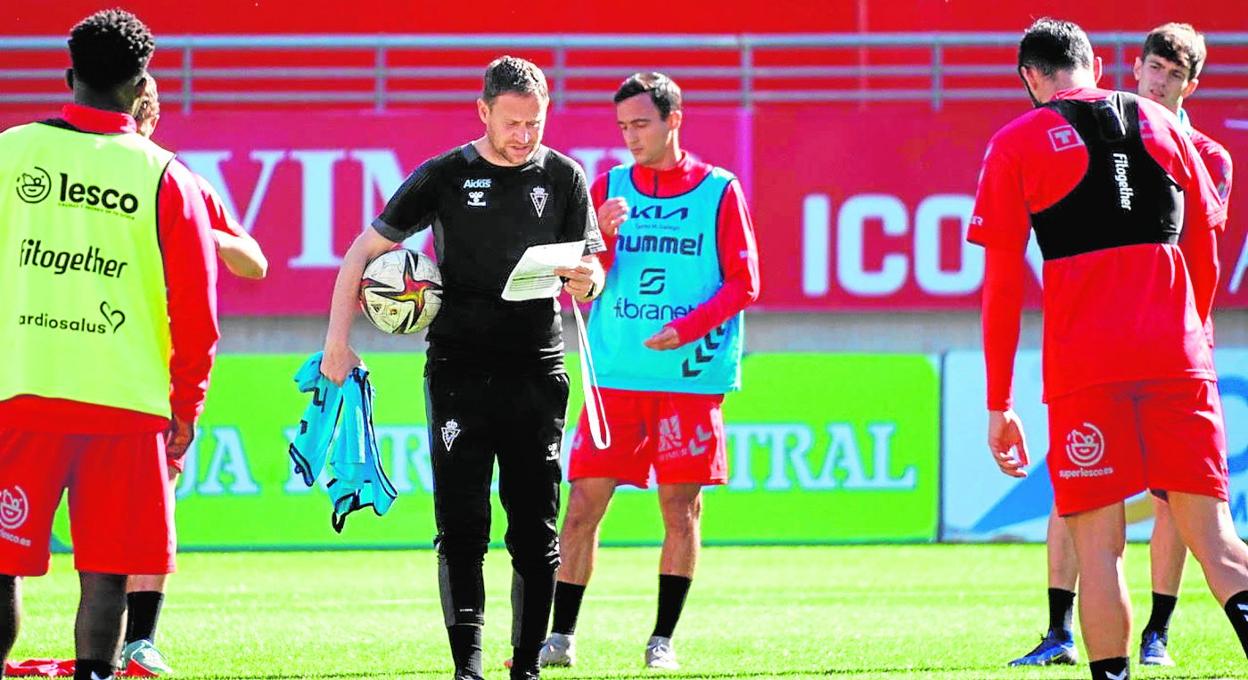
(450, 432)
(539, 196)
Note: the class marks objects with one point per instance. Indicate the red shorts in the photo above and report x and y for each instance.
(120, 501)
(1110, 442)
(680, 435)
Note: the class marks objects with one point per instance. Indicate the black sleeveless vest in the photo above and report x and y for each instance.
(1126, 197)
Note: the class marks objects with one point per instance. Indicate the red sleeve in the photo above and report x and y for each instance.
(220, 218)
(1200, 254)
(738, 260)
(598, 195)
(1174, 151)
(1205, 208)
(191, 284)
(1004, 271)
(1000, 218)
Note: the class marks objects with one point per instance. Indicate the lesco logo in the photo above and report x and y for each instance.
(13, 508)
(95, 197)
(1085, 446)
(34, 186)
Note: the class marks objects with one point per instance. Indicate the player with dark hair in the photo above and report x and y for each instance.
(123, 249)
(145, 593)
(495, 382)
(663, 383)
(1128, 378)
(1166, 72)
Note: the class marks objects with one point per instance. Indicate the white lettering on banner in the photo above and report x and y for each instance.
(228, 471)
(927, 231)
(789, 446)
(851, 271)
(816, 244)
(207, 164)
(409, 448)
(382, 176)
(294, 483)
(317, 208)
(852, 274)
(590, 157)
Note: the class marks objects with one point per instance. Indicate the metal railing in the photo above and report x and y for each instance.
(742, 69)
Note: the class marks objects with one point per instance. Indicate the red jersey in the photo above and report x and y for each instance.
(220, 218)
(190, 280)
(1113, 314)
(1217, 161)
(738, 249)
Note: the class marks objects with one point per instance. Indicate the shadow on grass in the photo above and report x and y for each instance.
(971, 671)
(649, 675)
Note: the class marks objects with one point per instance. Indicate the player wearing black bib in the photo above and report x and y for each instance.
(495, 383)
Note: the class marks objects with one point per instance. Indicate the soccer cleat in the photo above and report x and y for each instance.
(1051, 651)
(144, 654)
(661, 654)
(558, 650)
(1153, 650)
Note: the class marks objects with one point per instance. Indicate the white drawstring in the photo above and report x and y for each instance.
(594, 408)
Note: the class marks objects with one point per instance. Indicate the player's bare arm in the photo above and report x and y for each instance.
(339, 358)
(242, 255)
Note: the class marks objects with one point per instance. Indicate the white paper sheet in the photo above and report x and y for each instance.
(534, 276)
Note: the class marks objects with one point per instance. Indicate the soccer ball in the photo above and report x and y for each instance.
(401, 291)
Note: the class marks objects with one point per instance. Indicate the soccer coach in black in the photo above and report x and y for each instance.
(495, 382)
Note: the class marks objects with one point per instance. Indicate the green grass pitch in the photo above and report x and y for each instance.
(930, 611)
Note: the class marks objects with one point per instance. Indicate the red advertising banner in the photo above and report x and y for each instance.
(305, 185)
(866, 209)
(856, 208)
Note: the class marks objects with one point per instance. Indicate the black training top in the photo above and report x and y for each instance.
(1126, 198)
(484, 217)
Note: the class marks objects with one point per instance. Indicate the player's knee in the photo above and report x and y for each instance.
(580, 521)
(682, 515)
(1215, 551)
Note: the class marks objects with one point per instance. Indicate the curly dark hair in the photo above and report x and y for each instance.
(514, 75)
(110, 47)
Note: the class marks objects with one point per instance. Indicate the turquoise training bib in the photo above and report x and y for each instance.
(666, 264)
